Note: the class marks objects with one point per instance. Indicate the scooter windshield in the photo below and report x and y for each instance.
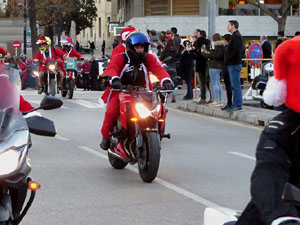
(10, 116)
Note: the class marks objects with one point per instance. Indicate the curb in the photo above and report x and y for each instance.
(261, 117)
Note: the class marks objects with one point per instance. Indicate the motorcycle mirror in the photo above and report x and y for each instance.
(50, 102)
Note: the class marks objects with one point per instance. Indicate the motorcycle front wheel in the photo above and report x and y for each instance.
(148, 161)
(70, 90)
(52, 87)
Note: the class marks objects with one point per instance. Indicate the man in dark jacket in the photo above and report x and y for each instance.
(267, 49)
(201, 68)
(233, 58)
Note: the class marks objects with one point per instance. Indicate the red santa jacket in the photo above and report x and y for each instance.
(23, 65)
(117, 66)
(73, 53)
(2, 52)
(117, 50)
(24, 105)
(54, 55)
(86, 67)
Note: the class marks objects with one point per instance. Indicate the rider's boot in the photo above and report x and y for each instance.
(105, 143)
(40, 91)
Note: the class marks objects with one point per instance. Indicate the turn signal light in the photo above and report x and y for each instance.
(133, 119)
(33, 186)
(161, 120)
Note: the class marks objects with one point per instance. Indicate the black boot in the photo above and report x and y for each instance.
(40, 91)
(105, 143)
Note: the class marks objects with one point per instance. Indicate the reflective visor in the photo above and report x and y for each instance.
(139, 39)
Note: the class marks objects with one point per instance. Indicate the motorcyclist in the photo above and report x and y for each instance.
(68, 48)
(277, 153)
(4, 53)
(130, 68)
(48, 52)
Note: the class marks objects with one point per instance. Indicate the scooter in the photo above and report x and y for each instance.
(15, 142)
(226, 216)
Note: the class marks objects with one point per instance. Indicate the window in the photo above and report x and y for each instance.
(91, 31)
(187, 7)
(83, 33)
(157, 7)
(108, 22)
(99, 20)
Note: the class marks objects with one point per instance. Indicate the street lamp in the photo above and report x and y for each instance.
(25, 16)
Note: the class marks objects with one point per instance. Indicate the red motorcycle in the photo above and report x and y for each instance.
(139, 129)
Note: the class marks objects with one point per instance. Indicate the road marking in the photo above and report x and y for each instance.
(242, 155)
(61, 138)
(86, 104)
(219, 119)
(39, 101)
(162, 182)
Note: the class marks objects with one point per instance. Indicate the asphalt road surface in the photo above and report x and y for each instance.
(207, 162)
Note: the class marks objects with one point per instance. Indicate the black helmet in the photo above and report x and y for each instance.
(137, 38)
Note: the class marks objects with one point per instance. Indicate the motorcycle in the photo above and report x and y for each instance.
(226, 216)
(51, 75)
(68, 84)
(15, 141)
(136, 136)
(30, 76)
(259, 84)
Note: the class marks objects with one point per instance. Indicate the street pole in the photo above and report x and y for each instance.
(25, 15)
(211, 18)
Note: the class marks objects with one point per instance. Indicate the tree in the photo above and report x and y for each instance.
(285, 9)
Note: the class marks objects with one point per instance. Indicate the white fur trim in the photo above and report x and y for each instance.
(162, 81)
(284, 219)
(101, 102)
(276, 92)
(111, 80)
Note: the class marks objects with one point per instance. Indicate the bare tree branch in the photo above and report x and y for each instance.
(257, 4)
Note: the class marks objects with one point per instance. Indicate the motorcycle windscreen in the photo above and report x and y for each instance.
(10, 116)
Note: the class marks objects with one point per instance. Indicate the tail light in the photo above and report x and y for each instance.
(70, 75)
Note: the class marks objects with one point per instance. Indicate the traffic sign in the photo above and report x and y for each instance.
(255, 52)
(16, 45)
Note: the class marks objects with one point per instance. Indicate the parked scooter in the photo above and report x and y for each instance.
(226, 216)
(15, 142)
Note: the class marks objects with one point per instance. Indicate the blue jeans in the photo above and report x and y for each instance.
(189, 93)
(214, 75)
(234, 74)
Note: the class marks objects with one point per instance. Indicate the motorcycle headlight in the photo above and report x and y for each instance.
(9, 161)
(35, 73)
(144, 112)
(52, 67)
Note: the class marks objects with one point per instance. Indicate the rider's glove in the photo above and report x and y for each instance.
(286, 220)
(116, 83)
(167, 84)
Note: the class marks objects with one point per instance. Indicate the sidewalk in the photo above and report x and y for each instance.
(252, 112)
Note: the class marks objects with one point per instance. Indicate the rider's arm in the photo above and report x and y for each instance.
(76, 54)
(24, 105)
(272, 170)
(115, 66)
(154, 66)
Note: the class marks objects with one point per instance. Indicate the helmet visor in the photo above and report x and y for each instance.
(139, 39)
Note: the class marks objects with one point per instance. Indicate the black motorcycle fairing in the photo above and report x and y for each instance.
(41, 126)
(5, 207)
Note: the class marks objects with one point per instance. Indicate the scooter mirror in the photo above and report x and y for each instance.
(50, 102)
(269, 67)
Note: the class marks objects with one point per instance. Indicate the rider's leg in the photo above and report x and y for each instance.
(41, 81)
(111, 115)
(60, 78)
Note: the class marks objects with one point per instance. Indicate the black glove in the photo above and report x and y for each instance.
(168, 85)
(116, 83)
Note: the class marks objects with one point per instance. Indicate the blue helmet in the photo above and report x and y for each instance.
(137, 38)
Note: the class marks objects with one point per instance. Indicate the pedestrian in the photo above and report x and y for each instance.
(187, 68)
(297, 33)
(280, 39)
(226, 78)
(169, 57)
(92, 47)
(215, 61)
(94, 72)
(277, 152)
(201, 67)
(267, 50)
(103, 49)
(233, 58)
(77, 46)
(86, 67)
(153, 37)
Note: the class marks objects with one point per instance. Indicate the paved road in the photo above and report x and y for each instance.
(207, 162)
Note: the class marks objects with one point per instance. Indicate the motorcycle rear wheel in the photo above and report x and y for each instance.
(116, 163)
(148, 162)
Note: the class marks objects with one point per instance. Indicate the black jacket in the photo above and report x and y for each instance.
(277, 162)
(187, 65)
(215, 56)
(267, 50)
(200, 60)
(234, 50)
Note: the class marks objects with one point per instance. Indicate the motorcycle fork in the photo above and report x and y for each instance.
(48, 83)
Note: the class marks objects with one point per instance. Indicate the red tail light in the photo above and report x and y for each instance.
(70, 75)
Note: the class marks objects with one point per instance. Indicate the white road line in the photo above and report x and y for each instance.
(242, 155)
(162, 182)
(86, 104)
(61, 138)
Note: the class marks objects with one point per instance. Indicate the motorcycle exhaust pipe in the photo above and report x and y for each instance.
(117, 156)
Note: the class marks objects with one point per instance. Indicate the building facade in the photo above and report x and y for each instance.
(100, 30)
(189, 15)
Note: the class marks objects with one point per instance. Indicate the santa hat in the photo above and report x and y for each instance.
(42, 40)
(67, 41)
(284, 87)
(124, 34)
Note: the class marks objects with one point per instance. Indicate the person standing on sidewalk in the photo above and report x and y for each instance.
(267, 50)
(226, 78)
(103, 49)
(233, 58)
